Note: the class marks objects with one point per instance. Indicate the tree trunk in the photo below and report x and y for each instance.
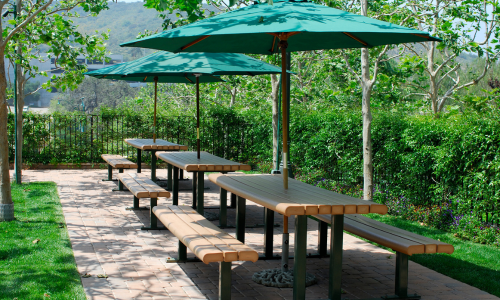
(20, 105)
(367, 118)
(6, 205)
(275, 99)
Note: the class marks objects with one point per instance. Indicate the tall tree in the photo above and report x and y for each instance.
(465, 26)
(9, 29)
(65, 48)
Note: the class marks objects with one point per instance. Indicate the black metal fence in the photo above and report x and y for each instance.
(83, 138)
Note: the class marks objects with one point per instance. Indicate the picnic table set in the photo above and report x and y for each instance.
(201, 52)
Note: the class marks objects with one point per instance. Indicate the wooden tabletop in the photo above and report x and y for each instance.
(147, 144)
(189, 162)
(299, 199)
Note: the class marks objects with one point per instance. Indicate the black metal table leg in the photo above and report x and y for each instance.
(233, 201)
(225, 280)
(139, 161)
(240, 219)
(299, 269)
(175, 188)
(195, 176)
(153, 165)
(169, 177)
(200, 193)
(268, 232)
(322, 238)
(223, 209)
(336, 240)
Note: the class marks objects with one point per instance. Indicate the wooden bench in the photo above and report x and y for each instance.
(142, 187)
(117, 162)
(208, 242)
(405, 244)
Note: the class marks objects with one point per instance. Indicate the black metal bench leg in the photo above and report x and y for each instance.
(200, 193)
(336, 242)
(224, 280)
(401, 274)
(223, 209)
(181, 174)
(110, 173)
(136, 205)
(120, 183)
(240, 219)
(322, 238)
(153, 217)
(175, 187)
(195, 175)
(268, 232)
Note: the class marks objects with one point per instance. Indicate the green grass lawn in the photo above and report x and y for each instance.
(475, 264)
(45, 269)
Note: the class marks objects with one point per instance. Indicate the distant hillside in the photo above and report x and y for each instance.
(125, 20)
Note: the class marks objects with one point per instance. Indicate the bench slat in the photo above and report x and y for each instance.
(245, 253)
(141, 186)
(200, 246)
(118, 162)
(395, 238)
(431, 245)
(229, 253)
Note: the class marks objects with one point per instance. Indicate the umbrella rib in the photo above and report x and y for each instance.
(356, 39)
(194, 42)
(421, 35)
(274, 43)
(145, 78)
(189, 79)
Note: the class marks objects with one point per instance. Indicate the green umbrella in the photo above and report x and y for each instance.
(185, 68)
(289, 25)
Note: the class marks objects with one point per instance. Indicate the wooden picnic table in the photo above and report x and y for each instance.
(149, 145)
(189, 162)
(299, 200)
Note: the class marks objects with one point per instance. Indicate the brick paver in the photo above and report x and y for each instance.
(107, 239)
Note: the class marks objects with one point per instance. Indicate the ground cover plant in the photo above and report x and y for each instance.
(36, 259)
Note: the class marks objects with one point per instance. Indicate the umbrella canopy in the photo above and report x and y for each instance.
(286, 25)
(253, 29)
(185, 68)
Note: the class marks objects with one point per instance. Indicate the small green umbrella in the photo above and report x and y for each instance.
(289, 25)
(185, 68)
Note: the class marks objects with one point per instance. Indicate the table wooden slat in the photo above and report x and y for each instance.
(299, 199)
(148, 144)
(189, 162)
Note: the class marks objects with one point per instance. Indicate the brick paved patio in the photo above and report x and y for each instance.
(107, 239)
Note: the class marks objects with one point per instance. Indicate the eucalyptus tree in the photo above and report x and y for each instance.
(11, 28)
(468, 26)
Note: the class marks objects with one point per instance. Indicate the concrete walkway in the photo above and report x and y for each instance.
(107, 239)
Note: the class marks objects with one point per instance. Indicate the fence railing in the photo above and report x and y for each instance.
(83, 138)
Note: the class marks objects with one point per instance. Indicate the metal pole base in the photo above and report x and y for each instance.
(118, 190)
(109, 179)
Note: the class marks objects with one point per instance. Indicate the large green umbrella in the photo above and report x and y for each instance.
(289, 25)
(185, 68)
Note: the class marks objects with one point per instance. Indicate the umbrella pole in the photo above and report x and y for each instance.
(154, 114)
(284, 111)
(198, 115)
